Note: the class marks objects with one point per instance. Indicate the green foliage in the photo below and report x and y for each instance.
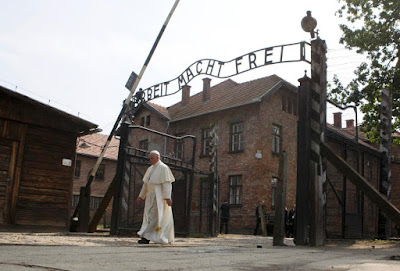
(373, 29)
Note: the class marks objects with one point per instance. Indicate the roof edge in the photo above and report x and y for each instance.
(34, 102)
(218, 110)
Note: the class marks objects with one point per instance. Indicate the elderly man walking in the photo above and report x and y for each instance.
(158, 222)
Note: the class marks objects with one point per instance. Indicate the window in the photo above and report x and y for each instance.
(100, 172)
(95, 202)
(205, 142)
(295, 107)
(274, 184)
(289, 104)
(284, 103)
(77, 171)
(289, 107)
(75, 200)
(236, 137)
(179, 149)
(144, 144)
(145, 121)
(276, 139)
(235, 189)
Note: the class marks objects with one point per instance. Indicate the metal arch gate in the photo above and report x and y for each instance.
(136, 162)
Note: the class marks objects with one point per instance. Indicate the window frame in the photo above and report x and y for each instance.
(74, 201)
(145, 121)
(179, 148)
(284, 103)
(294, 100)
(276, 148)
(232, 138)
(235, 189)
(290, 105)
(95, 202)
(142, 143)
(77, 169)
(148, 117)
(205, 142)
(101, 172)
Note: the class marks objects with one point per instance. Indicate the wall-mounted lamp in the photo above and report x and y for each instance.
(258, 154)
(84, 145)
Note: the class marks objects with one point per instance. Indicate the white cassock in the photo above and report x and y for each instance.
(158, 222)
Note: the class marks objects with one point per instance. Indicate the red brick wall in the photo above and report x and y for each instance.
(356, 204)
(157, 123)
(256, 174)
(258, 119)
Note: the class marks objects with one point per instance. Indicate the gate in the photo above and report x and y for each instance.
(205, 208)
(136, 162)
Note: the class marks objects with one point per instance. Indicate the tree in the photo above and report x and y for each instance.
(373, 29)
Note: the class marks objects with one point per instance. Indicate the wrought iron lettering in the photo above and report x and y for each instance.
(267, 54)
(225, 69)
(197, 67)
(238, 63)
(252, 60)
(156, 90)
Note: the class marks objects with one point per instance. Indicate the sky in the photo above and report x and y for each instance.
(77, 55)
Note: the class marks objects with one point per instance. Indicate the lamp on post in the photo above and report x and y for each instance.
(310, 227)
(308, 23)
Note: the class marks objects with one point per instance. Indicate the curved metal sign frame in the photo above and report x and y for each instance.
(294, 52)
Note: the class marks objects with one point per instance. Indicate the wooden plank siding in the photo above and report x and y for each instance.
(45, 188)
(5, 155)
(35, 188)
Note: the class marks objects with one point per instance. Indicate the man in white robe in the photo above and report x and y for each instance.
(158, 222)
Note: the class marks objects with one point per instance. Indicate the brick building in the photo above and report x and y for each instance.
(88, 150)
(372, 172)
(255, 121)
(395, 181)
(349, 213)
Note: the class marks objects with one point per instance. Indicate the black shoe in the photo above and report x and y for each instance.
(143, 241)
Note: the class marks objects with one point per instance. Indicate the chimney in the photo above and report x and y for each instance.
(206, 89)
(337, 120)
(349, 123)
(185, 95)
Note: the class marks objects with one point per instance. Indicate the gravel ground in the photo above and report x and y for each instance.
(100, 251)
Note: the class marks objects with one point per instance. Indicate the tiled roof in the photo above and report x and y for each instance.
(96, 143)
(361, 135)
(161, 109)
(350, 133)
(227, 94)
